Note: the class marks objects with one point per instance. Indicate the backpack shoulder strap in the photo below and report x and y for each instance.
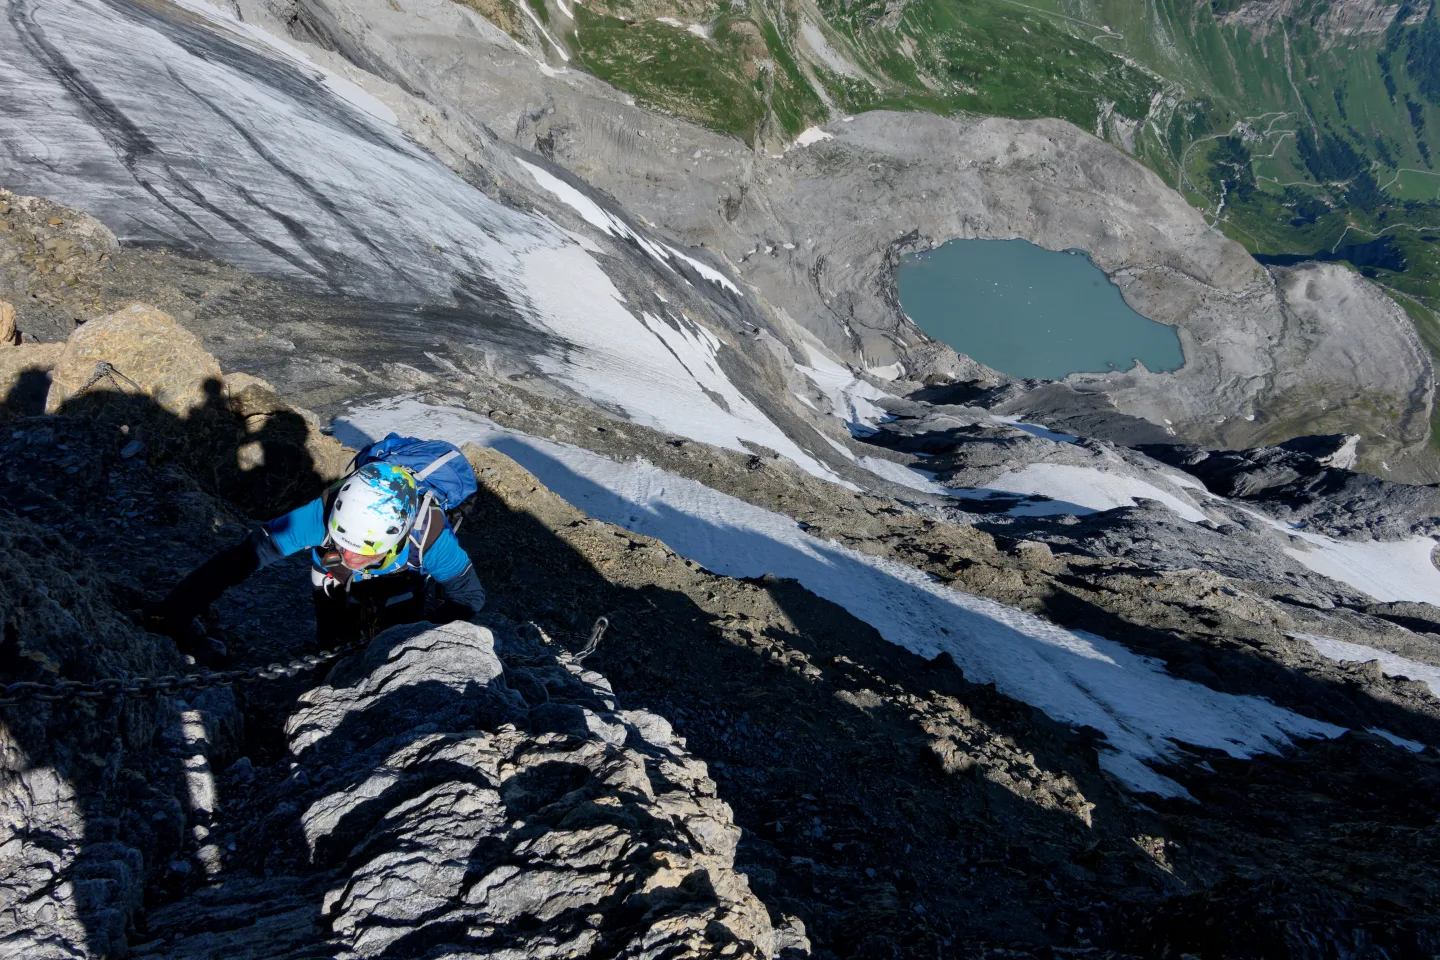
(429, 524)
(436, 465)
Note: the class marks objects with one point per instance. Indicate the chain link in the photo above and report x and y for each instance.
(64, 691)
(104, 369)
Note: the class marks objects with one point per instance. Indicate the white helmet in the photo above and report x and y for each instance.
(374, 509)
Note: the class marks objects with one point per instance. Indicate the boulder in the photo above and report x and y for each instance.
(154, 355)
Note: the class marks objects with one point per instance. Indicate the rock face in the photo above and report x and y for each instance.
(1342, 18)
(461, 812)
(70, 882)
(1336, 450)
(46, 252)
(152, 354)
(447, 804)
(1304, 481)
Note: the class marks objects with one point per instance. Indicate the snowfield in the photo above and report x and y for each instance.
(319, 186)
(1389, 570)
(1089, 489)
(1385, 570)
(1074, 677)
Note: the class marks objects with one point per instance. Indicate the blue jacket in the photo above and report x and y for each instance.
(443, 559)
(305, 527)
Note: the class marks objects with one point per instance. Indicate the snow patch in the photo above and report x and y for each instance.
(1384, 570)
(1038, 431)
(661, 374)
(1091, 490)
(706, 271)
(693, 28)
(600, 218)
(1414, 746)
(921, 480)
(809, 136)
(1074, 677)
(543, 32)
(851, 398)
(1391, 664)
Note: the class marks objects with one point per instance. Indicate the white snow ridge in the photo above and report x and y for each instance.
(1074, 677)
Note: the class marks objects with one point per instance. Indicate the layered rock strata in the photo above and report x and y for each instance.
(521, 813)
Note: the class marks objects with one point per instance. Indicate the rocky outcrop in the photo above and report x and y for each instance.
(1303, 482)
(522, 815)
(1336, 20)
(454, 798)
(46, 252)
(1337, 450)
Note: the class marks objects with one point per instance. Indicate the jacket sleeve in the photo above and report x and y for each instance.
(300, 528)
(204, 585)
(465, 590)
(448, 563)
(296, 530)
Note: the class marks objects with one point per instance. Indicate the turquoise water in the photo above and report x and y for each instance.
(1030, 312)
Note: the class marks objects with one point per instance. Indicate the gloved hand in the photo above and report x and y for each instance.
(191, 638)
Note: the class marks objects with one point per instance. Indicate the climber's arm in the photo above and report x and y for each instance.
(296, 530)
(448, 563)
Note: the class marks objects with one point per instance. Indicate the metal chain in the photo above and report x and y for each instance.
(65, 691)
(104, 369)
(596, 632)
(591, 642)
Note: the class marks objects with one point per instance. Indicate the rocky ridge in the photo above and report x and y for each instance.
(888, 801)
(427, 797)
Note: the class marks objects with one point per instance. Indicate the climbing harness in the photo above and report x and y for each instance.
(65, 691)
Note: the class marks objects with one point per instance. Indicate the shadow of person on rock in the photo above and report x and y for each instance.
(98, 505)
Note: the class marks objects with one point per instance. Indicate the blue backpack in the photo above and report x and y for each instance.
(441, 471)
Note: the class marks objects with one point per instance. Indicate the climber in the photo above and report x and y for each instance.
(376, 539)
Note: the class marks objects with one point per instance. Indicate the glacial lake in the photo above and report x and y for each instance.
(1028, 311)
